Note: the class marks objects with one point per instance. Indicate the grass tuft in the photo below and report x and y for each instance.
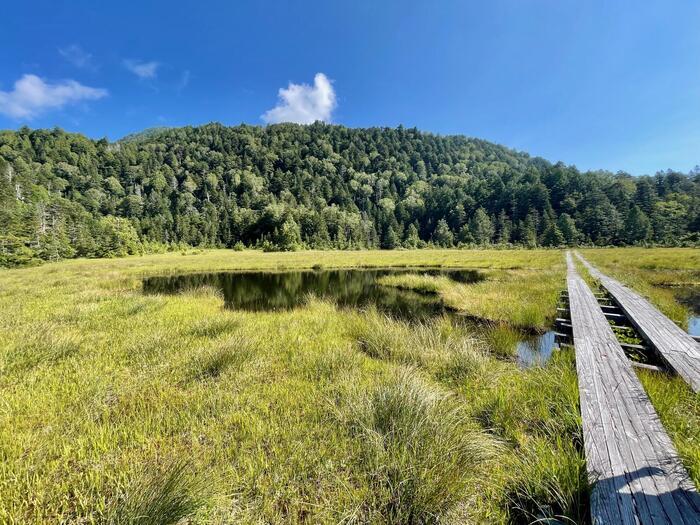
(159, 497)
(212, 362)
(548, 481)
(679, 409)
(420, 451)
(204, 291)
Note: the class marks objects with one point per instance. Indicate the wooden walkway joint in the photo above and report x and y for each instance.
(636, 473)
(678, 349)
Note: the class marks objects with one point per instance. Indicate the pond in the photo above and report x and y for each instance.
(690, 297)
(258, 291)
(274, 291)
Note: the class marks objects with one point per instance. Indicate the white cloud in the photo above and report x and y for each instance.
(32, 96)
(77, 56)
(142, 69)
(304, 104)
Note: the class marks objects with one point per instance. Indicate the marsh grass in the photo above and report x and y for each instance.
(679, 410)
(551, 483)
(336, 363)
(438, 346)
(243, 397)
(521, 298)
(232, 352)
(654, 273)
(422, 283)
(41, 346)
(420, 451)
(213, 327)
(542, 402)
(203, 291)
(536, 414)
(501, 339)
(159, 496)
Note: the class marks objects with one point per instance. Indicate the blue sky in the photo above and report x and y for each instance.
(609, 84)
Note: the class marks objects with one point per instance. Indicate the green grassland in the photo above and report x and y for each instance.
(119, 407)
(654, 273)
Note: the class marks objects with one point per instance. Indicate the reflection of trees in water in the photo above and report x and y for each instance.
(258, 291)
(690, 297)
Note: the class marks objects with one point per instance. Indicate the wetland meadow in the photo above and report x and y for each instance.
(310, 387)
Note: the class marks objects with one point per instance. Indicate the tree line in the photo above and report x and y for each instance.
(288, 186)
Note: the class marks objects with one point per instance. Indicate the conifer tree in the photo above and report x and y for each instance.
(443, 236)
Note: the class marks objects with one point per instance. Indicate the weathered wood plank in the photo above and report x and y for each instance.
(679, 349)
(637, 475)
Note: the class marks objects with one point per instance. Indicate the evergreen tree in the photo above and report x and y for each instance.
(481, 227)
(504, 228)
(645, 195)
(412, 239)
(390, 240)
(464, 236)
(529, 230)
(443, 236)
(567, 227)
(637, 226)
(552, 235)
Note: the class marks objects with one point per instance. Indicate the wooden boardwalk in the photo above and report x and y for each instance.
(637, 475)
(680, 351)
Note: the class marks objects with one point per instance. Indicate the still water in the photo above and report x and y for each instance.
(536, 351)
(690, 297)
(276, 291)
(273, 291)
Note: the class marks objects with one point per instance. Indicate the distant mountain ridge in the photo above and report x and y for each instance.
(290, 186)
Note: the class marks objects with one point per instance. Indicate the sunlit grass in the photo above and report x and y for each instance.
(422, 283)
(158, 496)
(679, 410)
(107, 393)
(421, 453)
(521, 298)
(654, 273)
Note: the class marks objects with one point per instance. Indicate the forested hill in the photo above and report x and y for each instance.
(289, 186)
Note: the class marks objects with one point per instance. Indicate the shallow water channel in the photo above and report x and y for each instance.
(690, 297)
(536, 350)
(259, 291)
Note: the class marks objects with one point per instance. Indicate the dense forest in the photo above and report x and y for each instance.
(288, 186)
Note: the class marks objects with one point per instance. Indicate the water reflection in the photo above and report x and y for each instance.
(690, 297)
(536, 351)
(353, 288)
(274, 291)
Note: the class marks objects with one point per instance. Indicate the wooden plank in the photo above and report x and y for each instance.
(633, 347)
(637, 475)
(611, 315)
(647, 367)
(679, 350)
(609, 308)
